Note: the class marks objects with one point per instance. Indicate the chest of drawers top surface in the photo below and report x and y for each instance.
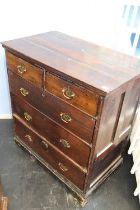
(87, 64)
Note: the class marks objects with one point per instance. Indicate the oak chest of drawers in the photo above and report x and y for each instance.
(73, 105)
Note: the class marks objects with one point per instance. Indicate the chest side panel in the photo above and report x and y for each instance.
(114, 129)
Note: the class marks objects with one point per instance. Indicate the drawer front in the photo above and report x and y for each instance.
(75, 95)
(61, 138)
(24, 69)
(59, 162)
(69, 117)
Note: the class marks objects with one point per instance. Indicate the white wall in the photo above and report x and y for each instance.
(97, 21)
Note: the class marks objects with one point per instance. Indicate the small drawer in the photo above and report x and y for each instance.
(66, 115)
(24, 69)
(52, 156)
(65, 141)
(77, 96)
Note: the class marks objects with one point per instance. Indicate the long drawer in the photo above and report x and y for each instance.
(61, 138)
(50, 155)
(69, 117)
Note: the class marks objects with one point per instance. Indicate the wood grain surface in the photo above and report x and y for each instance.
(98, 67)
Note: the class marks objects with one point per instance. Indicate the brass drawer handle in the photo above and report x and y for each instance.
(27, 116)
(21, 69)
(62, 167)
(65, 143)
(68, 93)
(29, 138)
(65, 117)
(24, 92)
(45, 144)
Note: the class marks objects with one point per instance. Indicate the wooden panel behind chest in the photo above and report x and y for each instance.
(3, 200)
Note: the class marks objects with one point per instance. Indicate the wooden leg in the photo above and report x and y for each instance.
(82, 202)
(15, 139)
(3, 200)
(33, 159)
(3, 204)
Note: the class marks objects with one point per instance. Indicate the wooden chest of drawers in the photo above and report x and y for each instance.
(73, 105)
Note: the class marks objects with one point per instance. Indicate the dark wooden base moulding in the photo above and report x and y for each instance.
(77, 194)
